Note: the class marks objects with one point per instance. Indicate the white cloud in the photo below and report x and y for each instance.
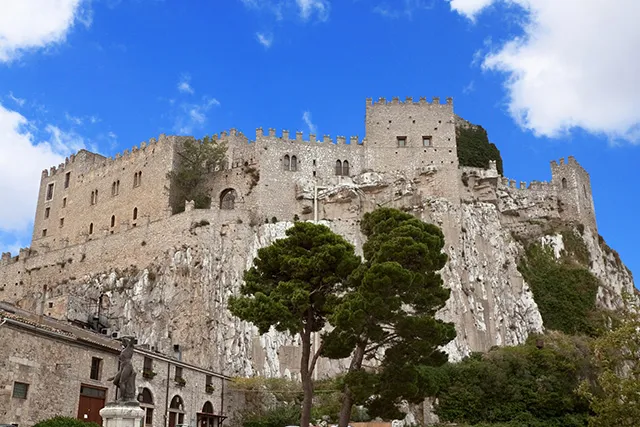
(265, 39)
(193, 116)
(575, 66)
(32, 24)
(470, 8)
(308, 7)
(401, 8)
(73, 119)
(22, 161)
(19, 101)
(469, 88)
(280, 9)
(306, 116)
(184, 85)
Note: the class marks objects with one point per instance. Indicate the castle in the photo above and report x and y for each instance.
(91, 197)
(108, 251)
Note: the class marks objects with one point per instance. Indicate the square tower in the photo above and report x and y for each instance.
(573, 186)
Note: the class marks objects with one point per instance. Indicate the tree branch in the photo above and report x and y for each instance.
(315, 358)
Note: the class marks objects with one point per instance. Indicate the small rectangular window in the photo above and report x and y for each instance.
(50, 191)
(426, 141)
(148, 419)
(20, 390)
(44, 233)
(61, 222)
(402, 141)
(46, 212)
(67, 179)
(209, 380)
(64, 202)
(148, 364)
(178, 373)
(96, 364)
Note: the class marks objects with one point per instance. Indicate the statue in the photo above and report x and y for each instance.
(125, 379)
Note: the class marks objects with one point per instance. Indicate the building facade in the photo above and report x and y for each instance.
(49, 368)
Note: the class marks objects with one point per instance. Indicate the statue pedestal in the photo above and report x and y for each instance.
(122, 414)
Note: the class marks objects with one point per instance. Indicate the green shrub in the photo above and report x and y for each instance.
(564, 291)
(519, 386)
(474, 148)
(60, 421)
(279, 416)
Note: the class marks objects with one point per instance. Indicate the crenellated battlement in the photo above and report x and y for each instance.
(522, 185)
(409, 101)
(285, 137)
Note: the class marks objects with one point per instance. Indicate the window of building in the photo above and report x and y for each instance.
(228, 199)
(294, 163)
(44, 233)
(96, 368)
(113, 220)
(564, 183)
(94, 197)
(345, 168)
(208, 387)
(338, 167)
(20, 390)
(113, 188)
(584, 187)
(287, 162)
(148, 365)
(178, 375)
(50, 191)
(146, 402)
(46, 212)
(135, 213)
(67, 179)
(61, 222)
(91, 228)
(137, 179)
(426, 141)
(402, 141)
(64, 202)
(314, 162)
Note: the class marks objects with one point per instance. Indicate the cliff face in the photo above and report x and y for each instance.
(169, 283)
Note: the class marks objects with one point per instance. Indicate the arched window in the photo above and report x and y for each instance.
(294, 163)
(228, 199)
(113, 188)
(176, 411)
(345, 168)
(91, 228)
(287, 162)
(207, 408)
(139, 177)
(93, 197)
(113, 220)
(146, 402)
(564, 183)
(338, 167)
(135, 213)
(96, 196)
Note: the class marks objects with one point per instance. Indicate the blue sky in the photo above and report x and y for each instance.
(108, 74)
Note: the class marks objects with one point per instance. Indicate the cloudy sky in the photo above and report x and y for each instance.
(546, 78)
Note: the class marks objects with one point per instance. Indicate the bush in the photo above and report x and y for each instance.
(564, 291)
(474, 148)
(519, 386)
(60, 421)
(279, 416)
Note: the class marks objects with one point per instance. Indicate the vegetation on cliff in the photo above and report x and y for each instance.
(196, 159)
(474, 148)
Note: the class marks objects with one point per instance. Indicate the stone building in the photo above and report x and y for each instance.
(50, 368)
(113, 247)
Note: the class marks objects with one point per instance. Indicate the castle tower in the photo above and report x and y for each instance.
(573, 186)
(412, 136)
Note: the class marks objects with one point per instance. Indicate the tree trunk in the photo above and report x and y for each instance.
(347, 398)
(305, 374)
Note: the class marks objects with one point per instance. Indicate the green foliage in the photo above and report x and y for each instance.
(278, 416)
(615, 399)
(564, 291)
(60, 421)
(288, 287)
(575, 248)
(197, 158)
(518, 386)
(474, 148)
(389, 305)
(290, 281)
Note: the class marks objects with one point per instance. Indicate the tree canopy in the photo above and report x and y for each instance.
(196, 158)
(474, 148)
(388, 312)
(288, 287)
